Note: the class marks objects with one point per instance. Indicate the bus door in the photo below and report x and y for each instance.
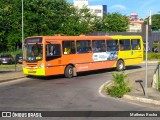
(53, 58)
(137, 50)
(125, 51)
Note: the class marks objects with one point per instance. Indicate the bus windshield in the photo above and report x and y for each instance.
(33, 52)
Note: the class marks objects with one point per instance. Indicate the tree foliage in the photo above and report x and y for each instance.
(49, 17)
(156, 22)
(41, 17)
(112, 22)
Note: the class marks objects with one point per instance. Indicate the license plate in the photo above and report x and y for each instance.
(31, 71)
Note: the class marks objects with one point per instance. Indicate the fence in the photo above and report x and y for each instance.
(156, 77)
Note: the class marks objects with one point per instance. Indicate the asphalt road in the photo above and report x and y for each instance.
(63, 94)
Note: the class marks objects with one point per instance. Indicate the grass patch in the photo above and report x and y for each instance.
(152, 56)
(10, 66)
(120, 86)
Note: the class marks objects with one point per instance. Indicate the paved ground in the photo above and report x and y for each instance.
(152, 97)
(8, 75)
(78, 93)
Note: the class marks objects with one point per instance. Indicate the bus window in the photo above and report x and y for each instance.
(135, 44)
(124, 45)
(68, 47)
(83, 46)
(112, 45)
(53, 50)
(98, 46)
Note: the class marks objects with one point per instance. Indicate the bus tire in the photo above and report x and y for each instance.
(69, 71)
(120, 65)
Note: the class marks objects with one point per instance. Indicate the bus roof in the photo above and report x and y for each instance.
(125, 36)
(84, 37)
(81, 37)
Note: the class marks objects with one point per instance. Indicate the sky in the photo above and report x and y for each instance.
(126, 7)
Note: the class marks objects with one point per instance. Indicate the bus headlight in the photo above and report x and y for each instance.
(42, 65)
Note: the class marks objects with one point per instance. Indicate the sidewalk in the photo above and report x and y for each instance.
(8, 75)
(152, 95)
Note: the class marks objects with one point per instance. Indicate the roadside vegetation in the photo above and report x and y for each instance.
(152, 56)
(119, 87)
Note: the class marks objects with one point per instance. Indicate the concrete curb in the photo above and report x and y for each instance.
(108, 83)
(140, 99)
(11, 79)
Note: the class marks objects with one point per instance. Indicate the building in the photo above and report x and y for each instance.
(80, 3)
(98, 10)
(135, 24)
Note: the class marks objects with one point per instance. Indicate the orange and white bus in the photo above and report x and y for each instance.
(68, 55)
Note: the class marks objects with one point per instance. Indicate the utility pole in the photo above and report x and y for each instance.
(146, 75)
(22, 25)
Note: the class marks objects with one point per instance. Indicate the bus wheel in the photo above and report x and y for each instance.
(120, 65)
(69, 71)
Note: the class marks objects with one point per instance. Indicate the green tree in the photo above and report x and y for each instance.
(10, 20)
(41, 17)
(49, 17)
(112, 22)
(156, 22)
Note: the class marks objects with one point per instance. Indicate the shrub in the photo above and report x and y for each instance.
(120, 86)
(152, 56)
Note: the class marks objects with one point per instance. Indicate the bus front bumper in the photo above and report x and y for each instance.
(34, 71)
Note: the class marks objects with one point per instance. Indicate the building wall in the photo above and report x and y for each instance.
(98, 10)
(135, 27)
(135, 24)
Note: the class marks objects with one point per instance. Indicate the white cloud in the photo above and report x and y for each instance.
(118, 7)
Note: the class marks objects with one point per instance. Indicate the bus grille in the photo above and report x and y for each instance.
(31, 65)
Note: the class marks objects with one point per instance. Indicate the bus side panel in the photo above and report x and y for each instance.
(85, 62)
(82, 62)
(132, 57)
(54, 70)
(54, 67)
(95, 66)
